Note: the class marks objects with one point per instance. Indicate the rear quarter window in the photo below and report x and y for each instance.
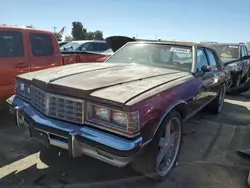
(11, 44)
(41, 44)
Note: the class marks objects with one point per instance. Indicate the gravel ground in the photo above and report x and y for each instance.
(208, 156)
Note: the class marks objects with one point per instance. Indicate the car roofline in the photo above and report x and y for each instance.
(19, 28)
(229, 44)
(178, 43)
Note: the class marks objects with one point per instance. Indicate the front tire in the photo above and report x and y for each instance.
(161, 155)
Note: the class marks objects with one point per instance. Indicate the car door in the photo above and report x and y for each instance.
(14, 60)
(246, 63)
(205, 80)
(242, 62)
(44, 53)
(218, 73)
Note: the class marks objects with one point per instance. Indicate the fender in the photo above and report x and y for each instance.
(168, 111)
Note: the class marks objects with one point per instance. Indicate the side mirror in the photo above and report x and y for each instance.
(206, 68)
(246, 57)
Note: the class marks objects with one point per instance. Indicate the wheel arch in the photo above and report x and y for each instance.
(180, 107)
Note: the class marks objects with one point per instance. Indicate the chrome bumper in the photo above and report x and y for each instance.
(77, 139)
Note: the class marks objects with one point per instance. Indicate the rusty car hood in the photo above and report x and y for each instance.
(108, 81)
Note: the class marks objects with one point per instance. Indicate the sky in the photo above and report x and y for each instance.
(185, 20)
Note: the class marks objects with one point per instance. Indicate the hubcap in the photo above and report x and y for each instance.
(221, 98)
(168, 146)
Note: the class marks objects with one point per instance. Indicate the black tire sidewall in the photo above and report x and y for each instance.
(151, 152)
(218, 103)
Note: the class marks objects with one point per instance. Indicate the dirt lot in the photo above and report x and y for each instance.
(208, 156)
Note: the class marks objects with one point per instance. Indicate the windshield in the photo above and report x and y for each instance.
(71, 46)
(157, 55)
(227, 51)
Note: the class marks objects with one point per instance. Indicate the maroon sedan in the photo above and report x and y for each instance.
(128, 110)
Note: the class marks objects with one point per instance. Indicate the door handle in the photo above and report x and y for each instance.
(21, 65)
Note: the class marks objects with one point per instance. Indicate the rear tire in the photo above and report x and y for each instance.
(149, 163)
(216, 106)
(239, 91)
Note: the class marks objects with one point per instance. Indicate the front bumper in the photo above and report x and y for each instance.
(76, 139)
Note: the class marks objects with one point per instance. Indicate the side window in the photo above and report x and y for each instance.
(201, 59)
(86, 47)
(100, 46)
(11, 44)
(212, 60)
(41, 44)
(248, 50)
(242, 51)
(245, 50)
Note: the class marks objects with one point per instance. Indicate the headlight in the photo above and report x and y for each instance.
(127, 122)
(101, 113)
(22, 89)
(119, 118)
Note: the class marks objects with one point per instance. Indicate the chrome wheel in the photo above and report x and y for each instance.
(221, 98)
(169, 146)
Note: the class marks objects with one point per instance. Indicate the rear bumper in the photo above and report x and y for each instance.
(76, 139)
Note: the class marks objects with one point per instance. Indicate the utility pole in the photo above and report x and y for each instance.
(54, 29)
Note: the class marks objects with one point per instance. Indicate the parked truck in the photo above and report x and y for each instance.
(237, 61)
(24, 50)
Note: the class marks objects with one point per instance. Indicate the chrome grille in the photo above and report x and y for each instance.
(38, 99)
(60, 107)
(65, 109)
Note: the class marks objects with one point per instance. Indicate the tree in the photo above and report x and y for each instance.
(90, 35)
(68, 38)
(81, 33)
(98, 35)
(58, 36)
(78, 31)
